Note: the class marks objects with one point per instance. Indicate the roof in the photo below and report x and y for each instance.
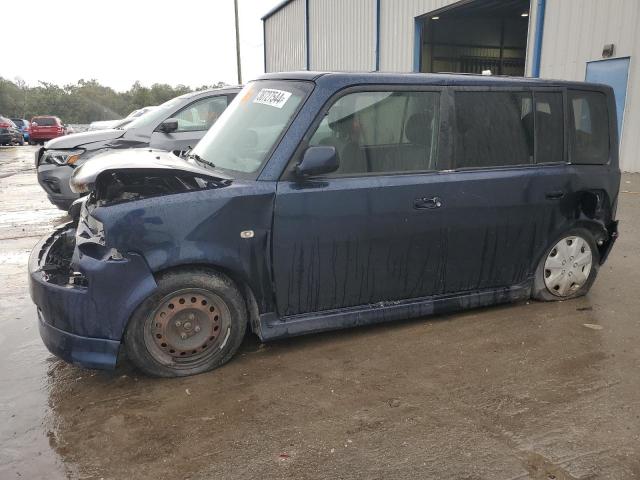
(228, 88)
(354, 78)
(276, 9)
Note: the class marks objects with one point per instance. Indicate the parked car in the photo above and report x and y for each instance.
(24, 126)
(45, 128)
(324, 201)
(9, 132)
(176, 125)
(120, 122)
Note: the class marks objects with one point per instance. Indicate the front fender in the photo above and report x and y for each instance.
(203, 228)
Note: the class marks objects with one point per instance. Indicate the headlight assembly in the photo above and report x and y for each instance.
(61, 157)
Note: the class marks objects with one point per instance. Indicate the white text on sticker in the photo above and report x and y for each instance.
(274, 98)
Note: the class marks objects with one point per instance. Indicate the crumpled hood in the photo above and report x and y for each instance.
(84, 177)
(78, 139)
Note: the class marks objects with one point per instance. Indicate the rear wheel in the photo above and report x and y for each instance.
(193, 323)
(568, 268)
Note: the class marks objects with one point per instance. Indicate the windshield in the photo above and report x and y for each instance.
(248, 130)
(155, 115)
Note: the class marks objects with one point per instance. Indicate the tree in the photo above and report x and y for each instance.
(83, 102)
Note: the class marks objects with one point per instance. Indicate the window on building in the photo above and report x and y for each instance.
(590, 128)
(382, 132)
(549, 127)
(493, 129)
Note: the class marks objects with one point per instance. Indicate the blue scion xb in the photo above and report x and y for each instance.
(321, 201)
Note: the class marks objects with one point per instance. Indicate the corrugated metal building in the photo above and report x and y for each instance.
(593, 40)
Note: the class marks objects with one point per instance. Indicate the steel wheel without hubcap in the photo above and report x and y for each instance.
(187, 328)
(567, 266)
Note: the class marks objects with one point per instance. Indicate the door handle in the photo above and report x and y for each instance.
(427, 202)
(555, 195)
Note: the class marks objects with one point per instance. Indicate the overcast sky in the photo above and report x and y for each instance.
(117, 42)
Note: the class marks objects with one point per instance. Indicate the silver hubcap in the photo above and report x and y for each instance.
(567, 266)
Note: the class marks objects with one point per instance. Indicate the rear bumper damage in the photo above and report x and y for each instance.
(605, 248)
(85, 299)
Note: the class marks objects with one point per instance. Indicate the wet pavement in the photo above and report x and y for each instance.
(528, 391)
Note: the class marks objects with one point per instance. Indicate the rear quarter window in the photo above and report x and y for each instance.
(589, 128)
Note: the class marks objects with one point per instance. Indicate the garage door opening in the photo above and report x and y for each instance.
(474, 37)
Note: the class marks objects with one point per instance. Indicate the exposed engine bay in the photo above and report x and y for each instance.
(126, 185)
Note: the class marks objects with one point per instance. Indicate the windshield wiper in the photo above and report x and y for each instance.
(200, 160)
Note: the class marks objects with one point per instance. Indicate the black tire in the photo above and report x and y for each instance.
(224, 298)
(540, 290)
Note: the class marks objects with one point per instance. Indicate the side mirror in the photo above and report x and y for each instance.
(169, 125)
(318, 160)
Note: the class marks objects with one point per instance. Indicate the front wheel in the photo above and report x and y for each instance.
(568, 268)
(195, 322)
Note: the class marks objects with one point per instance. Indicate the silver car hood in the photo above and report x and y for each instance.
(78, 139)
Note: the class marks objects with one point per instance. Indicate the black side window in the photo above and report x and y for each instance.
(549, 127)
(382, 132)
(493, 129)
(589, 128)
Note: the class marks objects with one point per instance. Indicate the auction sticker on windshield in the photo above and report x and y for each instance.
(272, 97)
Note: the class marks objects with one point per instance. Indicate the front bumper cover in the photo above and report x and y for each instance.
(84, 305)
(54, 179)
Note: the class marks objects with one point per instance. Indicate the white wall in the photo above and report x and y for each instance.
(285, 37)
(575, 32)
(397, 31)
(342, 35)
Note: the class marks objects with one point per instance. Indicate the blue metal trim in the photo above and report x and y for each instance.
(537, 48)
(306, 30)
(417, 43)
(377, 35)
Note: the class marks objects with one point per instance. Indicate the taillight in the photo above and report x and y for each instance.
(4, 125)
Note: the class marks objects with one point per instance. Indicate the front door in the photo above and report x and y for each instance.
(365, 233)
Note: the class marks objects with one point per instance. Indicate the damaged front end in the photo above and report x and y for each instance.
(86, 290)
(84, 298)
(123, 186)
(136, 174)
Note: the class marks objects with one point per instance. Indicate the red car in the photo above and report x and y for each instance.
(44, 128)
